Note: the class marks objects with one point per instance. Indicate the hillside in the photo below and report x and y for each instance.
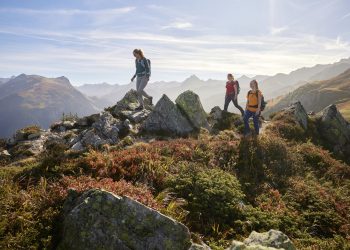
(173, 177)
(316, 95)
(280, 84)
(31, 99)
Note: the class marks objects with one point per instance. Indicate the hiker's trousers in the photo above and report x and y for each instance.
(141, 83)
(247, 115)
(228, 99)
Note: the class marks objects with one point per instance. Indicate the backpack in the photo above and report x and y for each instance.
(148, 61)
(238, 87)
(149, 64)
(263, 103)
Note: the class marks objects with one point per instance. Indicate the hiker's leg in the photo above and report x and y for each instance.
(227, 102)
(247, 115)
(235, 102)
(256, 123)
(138, 90)
(143, 85)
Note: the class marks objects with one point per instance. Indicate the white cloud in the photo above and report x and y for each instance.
(278, 30)
(182, 25)
(104, 51)
(68, 12)
(346, 16)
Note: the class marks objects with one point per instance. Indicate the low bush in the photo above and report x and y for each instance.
(213, 196)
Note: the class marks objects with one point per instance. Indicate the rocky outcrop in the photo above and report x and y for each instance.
(101, 220)
(335, 130)
(298, 112)
(104, 131)
(190, 105)
(270, 240)
(167, 119)
(221, 120)
(129, 102)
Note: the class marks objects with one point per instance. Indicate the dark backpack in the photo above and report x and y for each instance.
(149, 63)
(238, 87)
(263, 103)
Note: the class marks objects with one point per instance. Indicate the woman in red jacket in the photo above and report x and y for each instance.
(232, 93)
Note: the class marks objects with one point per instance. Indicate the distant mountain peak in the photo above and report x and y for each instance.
(191, 79)
(244, 77)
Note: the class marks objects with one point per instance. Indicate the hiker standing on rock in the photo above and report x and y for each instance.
(255, 104)
(142, 74)
(232, 91)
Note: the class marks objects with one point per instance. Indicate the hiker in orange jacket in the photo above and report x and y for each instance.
(232, 91)
(253, 107)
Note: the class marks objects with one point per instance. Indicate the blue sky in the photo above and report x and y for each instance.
(91, 41)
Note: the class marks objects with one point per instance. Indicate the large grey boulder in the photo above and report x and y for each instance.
(270, 240)
(335, 127)
(129, 102)
(298, 112)
(190, 104)
(336, 131)
(102, 220)
(167, 119)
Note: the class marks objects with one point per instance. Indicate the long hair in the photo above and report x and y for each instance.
(255, 83)
(230, 75)
(139, 52)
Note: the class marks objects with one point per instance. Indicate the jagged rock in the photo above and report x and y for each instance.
(216, 113)
(299, 113)
(135, 116)
(272, 239)
(82, 122)
(129, 102)
(19, 136)
(91, 138)
(104, 131)
(101, 220)
(190, 104)
(78, 146)
(167, 119)
(335, 130)
(335, 127)
(107, 126)
(34, 136)
(62, 126)
(221, 120)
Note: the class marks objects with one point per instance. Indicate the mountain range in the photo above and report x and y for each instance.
(36, 100)
(212, 91)
(317, 95)
(32, 99)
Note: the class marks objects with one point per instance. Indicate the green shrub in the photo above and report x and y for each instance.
(213, 196)
(266, 159)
